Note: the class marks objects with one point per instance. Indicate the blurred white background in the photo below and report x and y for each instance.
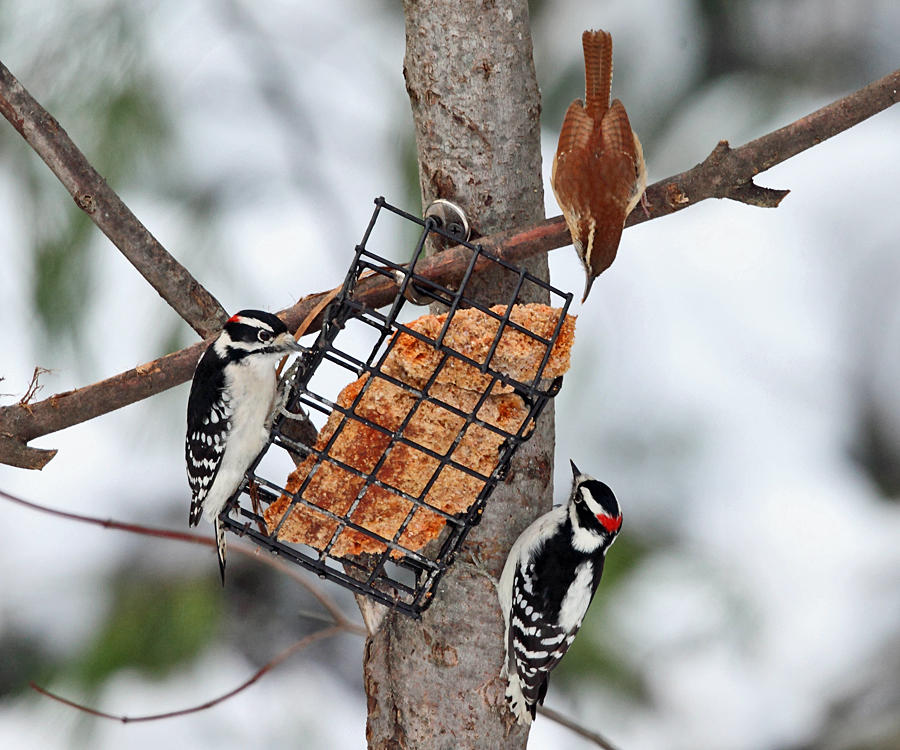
(735, 376)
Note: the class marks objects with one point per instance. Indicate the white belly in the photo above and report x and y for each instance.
(576, 602)
(252, 391)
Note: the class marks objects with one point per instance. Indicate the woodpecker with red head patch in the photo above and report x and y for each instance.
(228, 416)
(547, 584)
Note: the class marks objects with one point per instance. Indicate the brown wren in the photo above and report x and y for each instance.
(599, 174)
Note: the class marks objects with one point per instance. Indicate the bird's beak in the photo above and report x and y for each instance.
(575, 471)
(289, 344)
(587, 286)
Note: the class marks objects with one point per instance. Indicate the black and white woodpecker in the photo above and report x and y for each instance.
(229, 411)
(547, 584)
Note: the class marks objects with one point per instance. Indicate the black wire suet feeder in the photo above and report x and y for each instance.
(352, 511)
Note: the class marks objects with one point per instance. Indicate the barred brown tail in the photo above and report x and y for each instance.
(598, 71)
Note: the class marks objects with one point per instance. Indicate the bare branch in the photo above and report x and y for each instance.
(729, 173)
(93, 196)
(726, 173)
(20, 423)
(340, 620)
(335, 613)
(330, 606)
(178, 536)
(268, 667)
(595, 737)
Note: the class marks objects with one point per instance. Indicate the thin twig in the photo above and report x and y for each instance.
(100, 202)
(595, 737)
(340, 621)
(108, 523)
(302, 327)
(34, 387)
(726, 173)
(269, 666)
(330, 606)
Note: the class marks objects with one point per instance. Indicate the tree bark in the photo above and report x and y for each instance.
(470, 76)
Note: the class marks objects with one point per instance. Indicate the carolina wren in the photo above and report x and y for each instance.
(599, 173)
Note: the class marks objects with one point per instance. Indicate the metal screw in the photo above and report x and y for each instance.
(450, 218)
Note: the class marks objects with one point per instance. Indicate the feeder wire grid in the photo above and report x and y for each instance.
(391, 570)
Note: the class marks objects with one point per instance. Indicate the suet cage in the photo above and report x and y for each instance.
(346, 539)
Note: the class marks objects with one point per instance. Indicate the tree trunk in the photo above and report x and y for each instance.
(470, 76)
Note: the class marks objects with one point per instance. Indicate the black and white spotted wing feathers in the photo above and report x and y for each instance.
(209, 419)
(536, 639)
(229, 407)
(547, 584)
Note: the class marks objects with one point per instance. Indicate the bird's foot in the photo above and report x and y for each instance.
(253, 491)
(645, 204)
(477, 565)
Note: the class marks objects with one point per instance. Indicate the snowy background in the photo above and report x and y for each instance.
(735, 379)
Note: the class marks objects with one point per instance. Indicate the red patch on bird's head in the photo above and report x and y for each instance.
(234, 318)
(609, 523)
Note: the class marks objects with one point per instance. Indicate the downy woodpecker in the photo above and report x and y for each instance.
(228, 416)
(547, 583)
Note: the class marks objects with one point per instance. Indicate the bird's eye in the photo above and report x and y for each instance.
(264, 336)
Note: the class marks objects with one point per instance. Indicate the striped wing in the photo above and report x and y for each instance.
(209, 420)
(534, 647)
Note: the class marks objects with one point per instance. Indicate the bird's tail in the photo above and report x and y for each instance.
(194, 513)
(220, 547)
(521, 709)
(598, 70)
